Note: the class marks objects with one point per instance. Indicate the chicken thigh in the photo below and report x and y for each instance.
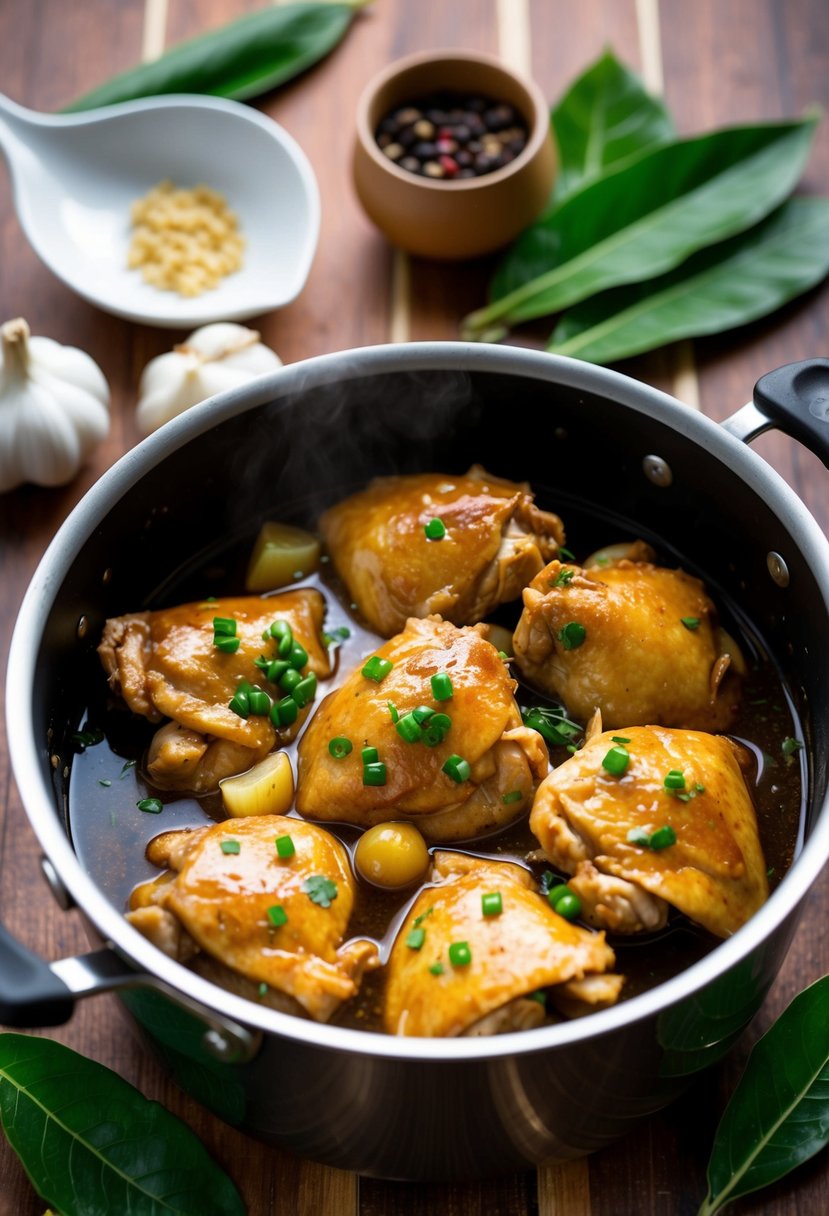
(166, 664)
(650, 817)
(476, 948)
(458, 766)
(271, 918)
(637, 641)
(494, 539)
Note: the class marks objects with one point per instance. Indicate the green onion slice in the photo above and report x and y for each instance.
(374, 773)
(459, 954)
(441, 686)
(230, 846)
(457, 768)
(616, 761)
(153, 806)
(690, 622)
(226, 644)
(277, 916)
(376, 668)
(224, 625)
(492, 904)
(285, 846)
(340, 747)
(415, 939)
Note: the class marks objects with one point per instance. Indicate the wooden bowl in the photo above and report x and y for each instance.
(462, 218)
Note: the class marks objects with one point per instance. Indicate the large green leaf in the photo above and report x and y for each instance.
(247, 57)
(604, 117)
(717, 289)
(92, 1145)
(778, 1116)
(648, 216)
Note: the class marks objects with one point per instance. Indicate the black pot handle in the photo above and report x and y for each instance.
(30, 992)
(795, 398)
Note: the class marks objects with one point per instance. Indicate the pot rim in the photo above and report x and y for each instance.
(109, 921)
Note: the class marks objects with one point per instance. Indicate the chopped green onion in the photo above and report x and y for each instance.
(435, 529)
(226, 644)
(640, 837)
(415, 939)
(620, 739)
(230, 846)
(263, 989)
(459, 954)
(790, 746)
(441, 686)
(374, 773)
(153, 806)
(305, 690)
(283, 634)
(320, 890)
(340, 747)
(422, 714)
(285, 846)
(289, 679)
(418, 920)
(395, 716)
(507, 658)
(551, 724)
(104, 781)
(240, 703)
(284, 712)
(259, 702)
(440, 722)
(376, 668)
(408, 729)
(563, 579)
(457, 768)
(663, 837)
(572, 635)
(298, 656)
(690, 622)
(369, 755)
(436, 968)
(512, 796)
(674, 780)
(224, 625)
(616, 761)
(277, 916)
(492, 904)
(276, 669)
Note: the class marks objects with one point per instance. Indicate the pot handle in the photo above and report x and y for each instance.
(794, 398)
(34, 993)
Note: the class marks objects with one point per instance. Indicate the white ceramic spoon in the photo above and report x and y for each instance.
(75, 176)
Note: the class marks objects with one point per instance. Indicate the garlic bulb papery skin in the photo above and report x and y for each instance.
(212, 359)
(54, 408)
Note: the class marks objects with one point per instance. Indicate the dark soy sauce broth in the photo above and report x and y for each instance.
(110, 834)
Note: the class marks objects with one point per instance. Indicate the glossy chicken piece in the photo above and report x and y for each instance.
(262, 916)
(512, 955)
(165, 665)
(506, 758)
(584, 815)
(496, 539)
(638, 662)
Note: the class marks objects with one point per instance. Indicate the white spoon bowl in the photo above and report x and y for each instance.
(75, 176)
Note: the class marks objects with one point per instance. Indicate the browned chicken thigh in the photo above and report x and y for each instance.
(636, 641)
(494, 540)
(458, 766)
(648, 817)
(268, 918)
(166, 664)
(476, 948)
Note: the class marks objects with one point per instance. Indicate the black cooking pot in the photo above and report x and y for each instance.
(590, 442)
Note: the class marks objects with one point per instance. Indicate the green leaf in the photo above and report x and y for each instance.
(778, 1116)
(717, 289)
(92, 1145)
(649, 215)
(249, 56)
(605, 117)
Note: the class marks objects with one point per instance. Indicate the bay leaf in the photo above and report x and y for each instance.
(778, 1116)
(605, 117)
(717, 289)
(647, 216)
(92, 1145)
(240, 60)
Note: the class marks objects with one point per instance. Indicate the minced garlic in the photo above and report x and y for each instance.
(184, 240)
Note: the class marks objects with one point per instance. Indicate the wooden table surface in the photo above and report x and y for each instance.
(718, 62)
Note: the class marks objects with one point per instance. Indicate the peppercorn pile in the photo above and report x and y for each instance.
(451, 136)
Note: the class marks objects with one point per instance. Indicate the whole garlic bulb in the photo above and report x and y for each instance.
(54, 408)
(212, 359)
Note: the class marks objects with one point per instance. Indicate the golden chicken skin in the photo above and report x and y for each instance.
(648, 817)
(427, 730)
(478, 947)
(431, 543)
(193, 664)
(638, 642)
(268, 900)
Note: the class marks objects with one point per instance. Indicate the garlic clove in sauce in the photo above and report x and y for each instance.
(54, 408)
(214, 358)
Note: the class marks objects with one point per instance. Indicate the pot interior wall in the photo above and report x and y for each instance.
(292, 457)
